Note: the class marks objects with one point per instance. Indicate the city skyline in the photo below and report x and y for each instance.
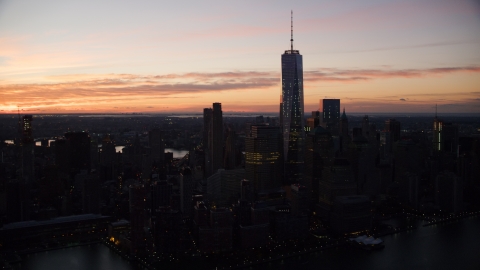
(376, 56)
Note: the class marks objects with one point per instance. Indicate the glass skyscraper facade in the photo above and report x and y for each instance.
(331, 111)
(291, 115)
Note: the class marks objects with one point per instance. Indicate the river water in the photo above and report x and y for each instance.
(95, 256)
(177, 153)
(447, 246)
(444, 246)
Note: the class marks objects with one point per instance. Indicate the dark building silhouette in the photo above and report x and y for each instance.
(300, 200)
(393, 126)
(27, 130)
(445, 136)
(213, 132)
(246, 191)
(386, 144)
(207, 124)
(291, 115)
(213, 228)
(313, 121)
(343, 132)
(107, 159)
(337, 180)
(73, 153)
(90, 193)
(157, 146)
(351, 214)
(222, 186)
(330, 109)
(449, 192)
(186, 192)
(216, 141)
(27, 168)
(167, 229)
(230, 158)
(437, 133)
(160, 194)
(319, 154)
(259, 119)
(14, 203)
(62, 155)
(253, 230)
(263, 161)
(137, 217)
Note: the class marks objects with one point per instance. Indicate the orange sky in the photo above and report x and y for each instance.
(375, 55)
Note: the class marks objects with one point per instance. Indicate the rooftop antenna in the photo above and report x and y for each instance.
(291, 30)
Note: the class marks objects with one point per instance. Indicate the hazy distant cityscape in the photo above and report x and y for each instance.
(79, 180)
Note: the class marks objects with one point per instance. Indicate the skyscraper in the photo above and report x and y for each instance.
(28, 146)
(186, 191)
(291, 114)
(137, 217)
(445, 136)
(27, 129)
(330, 112)
(213, 138)
(263, 163)
(437, 131)
(27, 171)
(207, 123)
(79, 151)
(157, 145)
(230, 158)
(319, 154)
(216, 143)
(393, 126)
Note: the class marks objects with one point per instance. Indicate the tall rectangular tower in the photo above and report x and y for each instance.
(28, 146)
(213, 138)
(263, 162)
(207, 128)
(157, 145)
(291, 114)
(330, 111)
(216, 143)
(393, 126)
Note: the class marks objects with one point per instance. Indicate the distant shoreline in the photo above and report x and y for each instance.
(241, 114)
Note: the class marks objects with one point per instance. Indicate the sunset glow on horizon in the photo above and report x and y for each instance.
(149, 57)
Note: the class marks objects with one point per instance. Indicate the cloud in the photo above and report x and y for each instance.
(355, 75)
(415, 46)
(116, 90)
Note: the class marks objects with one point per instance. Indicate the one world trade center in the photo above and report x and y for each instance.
(291, 115)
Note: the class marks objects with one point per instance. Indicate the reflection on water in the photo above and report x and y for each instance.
(95, 256)
(119, 148)
(176, 153)
(37, 143)
(447, 246)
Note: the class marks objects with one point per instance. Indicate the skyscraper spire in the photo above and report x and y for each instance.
(291, 115)
(291, 30)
